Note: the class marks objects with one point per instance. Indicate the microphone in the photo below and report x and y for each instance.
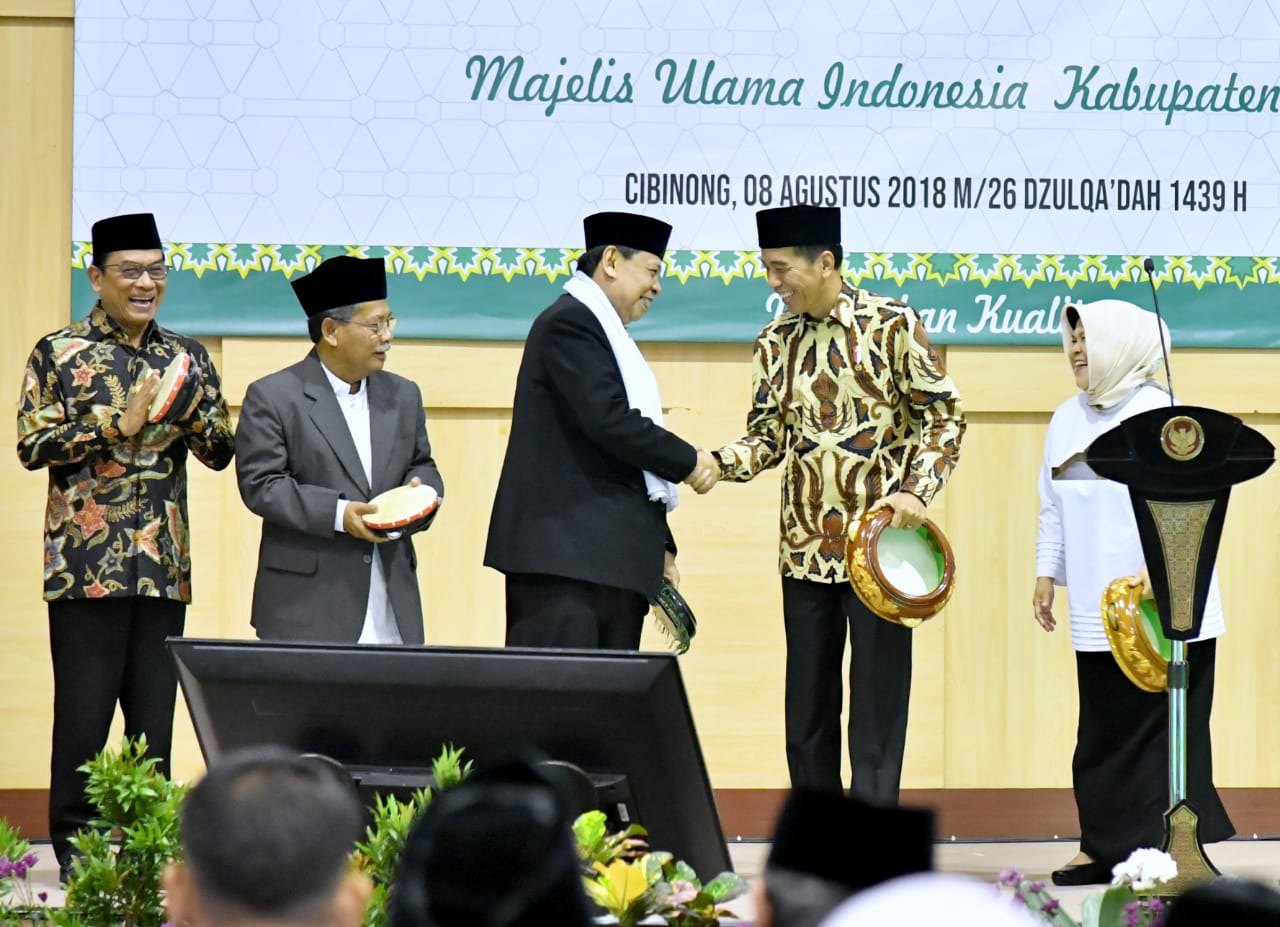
(1148, 265)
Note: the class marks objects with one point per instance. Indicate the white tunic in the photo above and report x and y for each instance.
(379, 617)
(1088, 534)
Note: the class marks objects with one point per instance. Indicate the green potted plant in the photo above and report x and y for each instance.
(632, 883)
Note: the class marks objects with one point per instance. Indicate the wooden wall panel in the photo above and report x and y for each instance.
(993, 697)
(35, 201)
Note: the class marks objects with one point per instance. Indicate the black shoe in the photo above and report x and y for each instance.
(1090, 873)
(65, 868)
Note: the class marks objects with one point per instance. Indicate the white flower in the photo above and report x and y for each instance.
(1144, 869)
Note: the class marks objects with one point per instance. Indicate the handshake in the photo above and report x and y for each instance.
(705, 474)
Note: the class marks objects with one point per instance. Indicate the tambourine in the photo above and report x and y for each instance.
(904, 576)
(674, 618)
(178, 384)
(401, 508)
(1137, 641)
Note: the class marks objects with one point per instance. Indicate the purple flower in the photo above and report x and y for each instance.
(1010, 877)
(43, 896)
(1155, 905)
(1131, 916)
(6, 867)
(1050, 906)
(1036, 886)
(30, 860)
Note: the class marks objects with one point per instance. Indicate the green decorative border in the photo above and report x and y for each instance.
(493, 294)
(553, 264)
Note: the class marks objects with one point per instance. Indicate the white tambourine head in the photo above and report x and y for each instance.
(402, 506)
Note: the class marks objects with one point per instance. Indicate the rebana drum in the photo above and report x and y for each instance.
(674, 618)
(1133, 630)
(177, 386)
(904, 576)
(401, 508)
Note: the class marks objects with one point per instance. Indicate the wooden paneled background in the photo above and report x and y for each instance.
(993, 705)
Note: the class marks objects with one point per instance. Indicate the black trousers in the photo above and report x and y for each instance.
(1120, 770)
(104, 651)
(553, 611)
(815, 616)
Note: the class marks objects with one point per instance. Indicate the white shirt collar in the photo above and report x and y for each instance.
(340, 386)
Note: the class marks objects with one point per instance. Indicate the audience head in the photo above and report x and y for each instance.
(266, 839)
(928, 898)
(1238, 902)
(495, 851)
(827, 846)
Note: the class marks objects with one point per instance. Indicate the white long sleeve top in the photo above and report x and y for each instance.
(1088, 535)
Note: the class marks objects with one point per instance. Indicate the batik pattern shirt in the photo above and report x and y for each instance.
(854, 406)
(116, 517)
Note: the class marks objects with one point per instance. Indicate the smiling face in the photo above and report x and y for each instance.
(807, 287)
(1078, 355)
(132, 303)
(355, 349)
(631, 283)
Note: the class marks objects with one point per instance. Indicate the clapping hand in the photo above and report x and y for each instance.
(135, 412)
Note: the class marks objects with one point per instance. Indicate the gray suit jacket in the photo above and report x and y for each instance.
(294, 460)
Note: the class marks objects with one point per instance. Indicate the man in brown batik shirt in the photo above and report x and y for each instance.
(852, 400)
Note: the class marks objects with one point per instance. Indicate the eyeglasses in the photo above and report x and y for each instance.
(135, 271)
(382, 325)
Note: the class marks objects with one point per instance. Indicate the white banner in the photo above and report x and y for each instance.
(982, 126)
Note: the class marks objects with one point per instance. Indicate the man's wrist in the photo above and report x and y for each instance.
(124, 426)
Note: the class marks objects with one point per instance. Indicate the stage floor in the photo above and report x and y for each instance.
(1254, 859)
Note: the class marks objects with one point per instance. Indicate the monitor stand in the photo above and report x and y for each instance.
(614, 798)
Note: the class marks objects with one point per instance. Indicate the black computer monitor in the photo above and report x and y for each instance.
(385, 712)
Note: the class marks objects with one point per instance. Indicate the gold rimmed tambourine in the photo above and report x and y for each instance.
(903, 575)
(401, 508)
(1137, 641)
(674, 618)
(178, 382)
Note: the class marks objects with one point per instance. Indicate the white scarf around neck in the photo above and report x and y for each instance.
(637, 378)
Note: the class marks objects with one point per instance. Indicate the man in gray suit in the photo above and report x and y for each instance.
(315, 442)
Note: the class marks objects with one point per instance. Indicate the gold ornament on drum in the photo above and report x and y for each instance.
(1137, 641)
(904, 576)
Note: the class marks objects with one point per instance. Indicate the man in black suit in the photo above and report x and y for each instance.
(579, 523)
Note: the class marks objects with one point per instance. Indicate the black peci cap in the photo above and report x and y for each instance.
(133, 232)
(795, 226)
(341, 281)
(630, 230)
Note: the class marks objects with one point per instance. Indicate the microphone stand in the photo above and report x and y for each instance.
(1181, 823)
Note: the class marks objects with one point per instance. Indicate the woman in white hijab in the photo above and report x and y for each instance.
(1087, 538)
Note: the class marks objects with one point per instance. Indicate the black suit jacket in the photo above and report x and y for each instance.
(571, 500)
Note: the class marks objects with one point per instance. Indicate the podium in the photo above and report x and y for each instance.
(1180, 463)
